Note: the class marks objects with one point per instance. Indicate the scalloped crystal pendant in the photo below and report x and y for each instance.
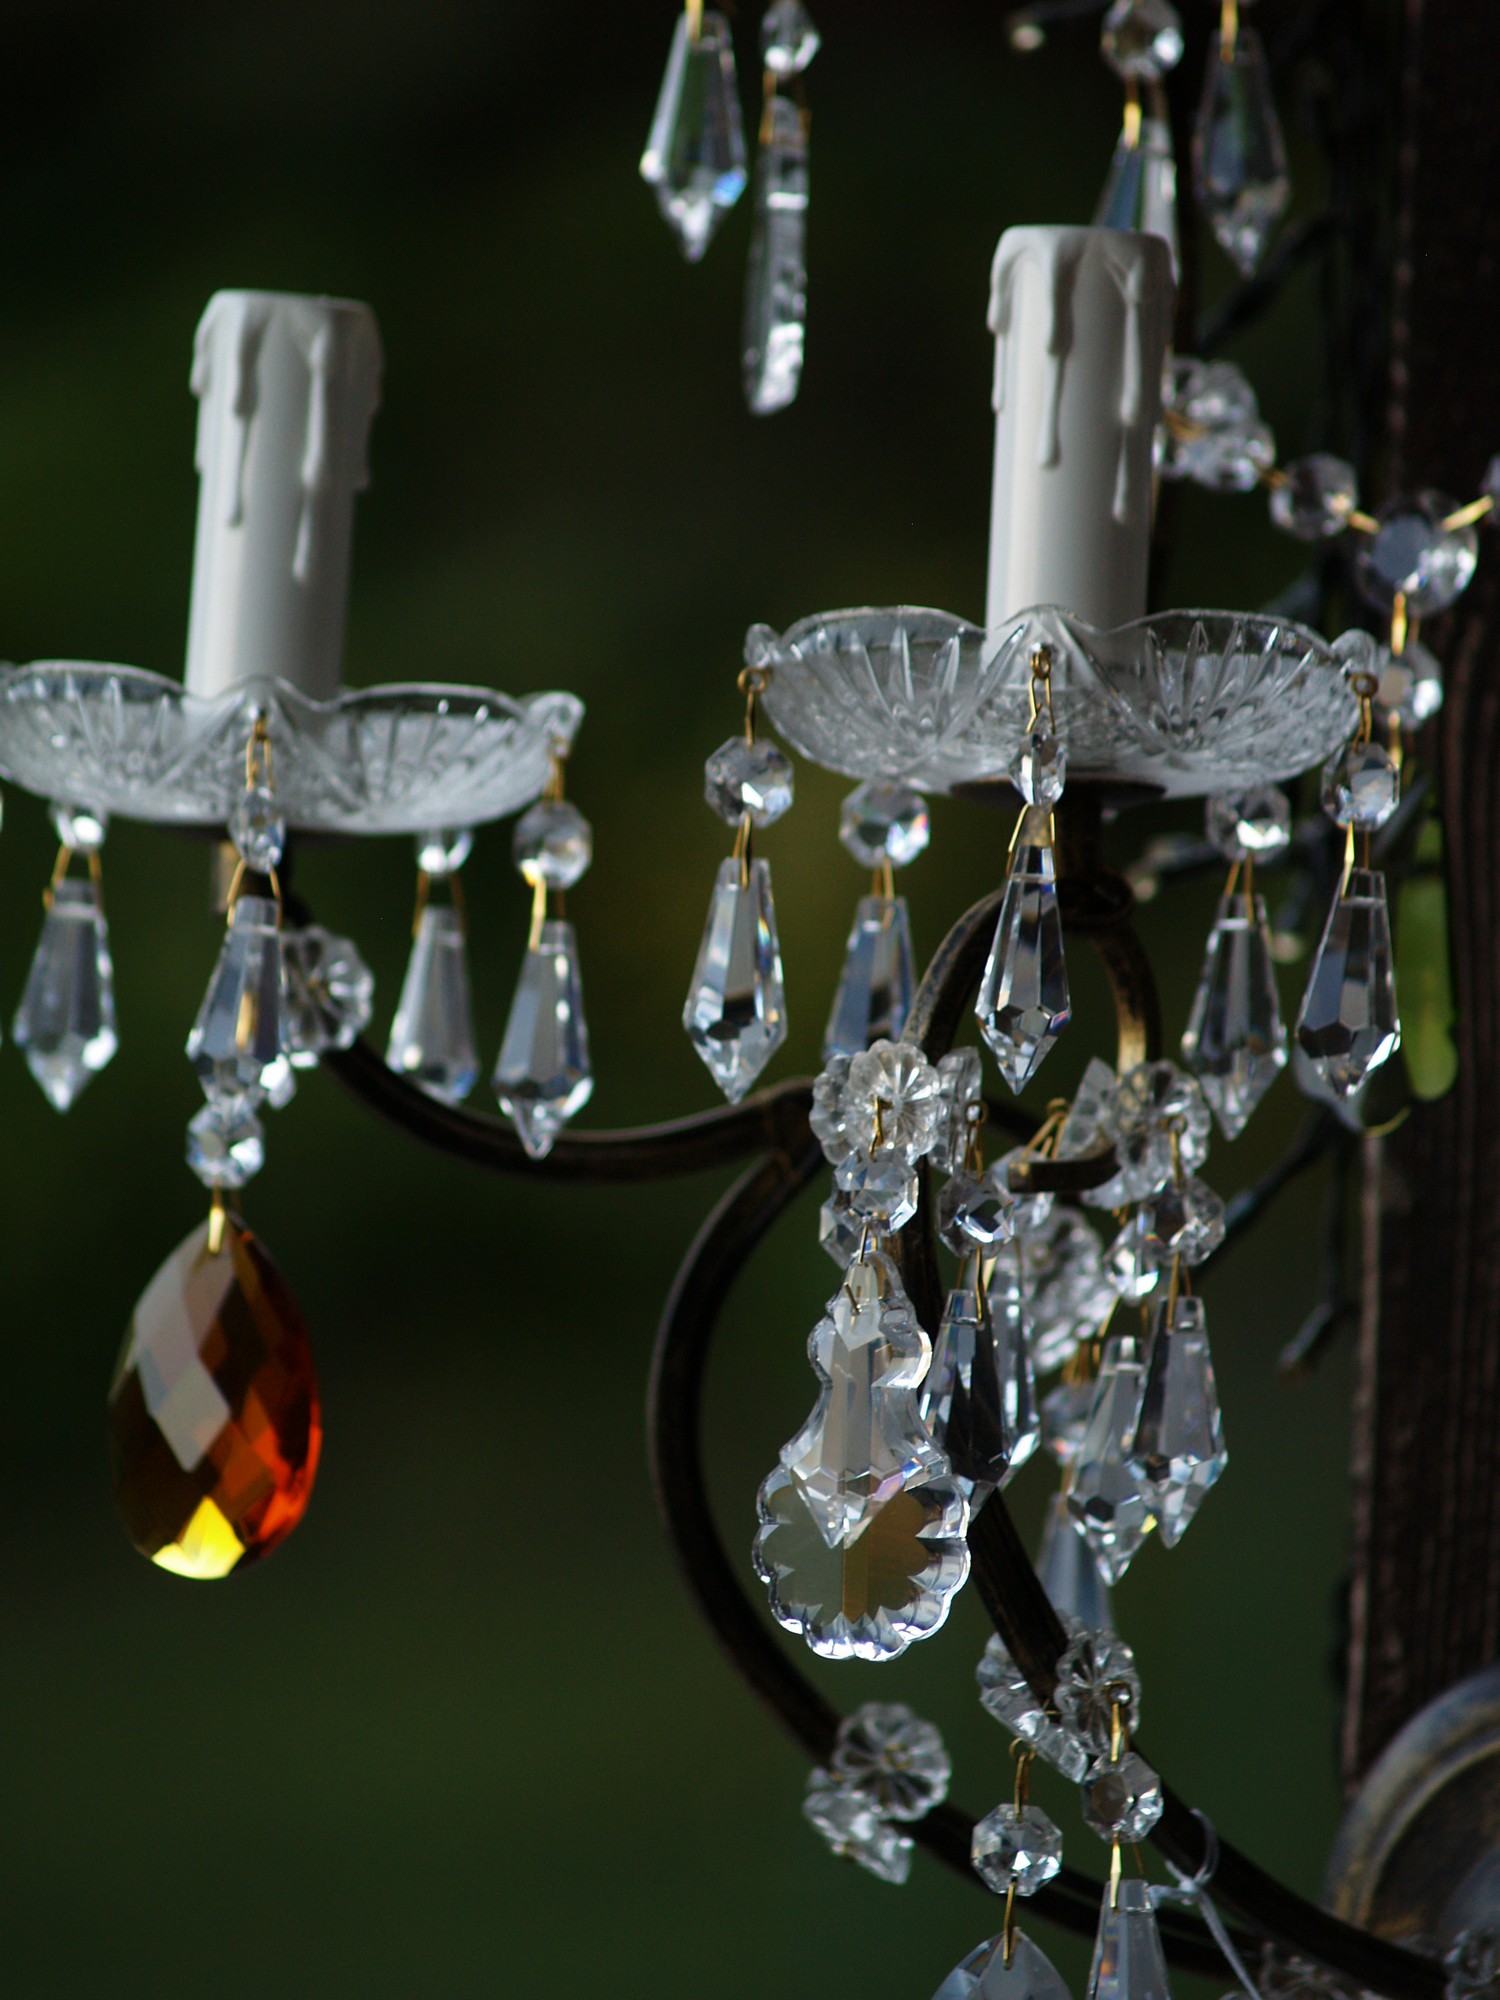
(215, 1423)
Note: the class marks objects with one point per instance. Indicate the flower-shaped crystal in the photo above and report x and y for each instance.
(894, 1758)
(1095, 1672)
(891, 1101)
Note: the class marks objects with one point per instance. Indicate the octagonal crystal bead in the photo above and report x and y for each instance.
(1361, 786)
(1016, 1846)
(751, 780)
(1315, 497)
(225, 1148)
(1413, 555)
(976, 1213)
(1254, 824)
(1141, 40)
(883, 821)
(553, 844)
(1122, 1798)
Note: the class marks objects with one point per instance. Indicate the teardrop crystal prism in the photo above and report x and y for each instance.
(1179, 1438)
(1349, 1024)
(776, 278)
(872, 1600)
(1014, 1365)
(65, 1024)
(695, 155)
(735, 1014)
(1235, 1042)
(1108, 1494)
(214, 1419)
(984, 1974)
(1140, 190)
(865, 1439)
(876, 985)
(1128, 1961)
(237, 1035)
(432, 1036)
(1066, 1570)
(960, 1400)
(543, 1075)
(1239, 158)
(1023, 1003)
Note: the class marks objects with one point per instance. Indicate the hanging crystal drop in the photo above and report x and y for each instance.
(1066, 1570)
(1108, 1496)
(984, 1974)
(1179, 1439)
(1014, 1365)
(695, 155)
(961, 1398)
(775, 322)
(736, 1006)
(543, 1075)
(876, 985)
(1140, 190)
(1023, 1001)
(1128, 1962)
(1235, 1042)
(432, 1036)
(1349, 1024)
(214, 1418)
(865, 1439)
(1239, 158)
(237, 1037)
(65, 1024)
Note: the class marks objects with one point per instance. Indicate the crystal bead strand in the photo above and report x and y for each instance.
(883, 826)
(694, 160)
(1141, 40)
(1016, 1850)
(735, 1013)
(776, 281)
(1239, 157)
(432, 1033)
(1122, 1802)
(65, 1024)
(1023, 1002)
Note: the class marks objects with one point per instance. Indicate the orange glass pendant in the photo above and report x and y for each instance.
(215, 1425)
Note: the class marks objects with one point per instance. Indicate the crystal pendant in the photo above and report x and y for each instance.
(962, 1398)
(1235, 1042)
(736, 1006)
(214, 1418)
(1023, 1001)
(1014, 1367)
(543, 1076)
(872, 1600)
(876, 985)
(1128, 1961)
(1239, 158)
(695, 155)
(775, 324)
(1316, 496)
(865, 1439)
(1140, 190)
(984, 1974)
(1066, 1570)
(65, 1023)
(1349, 1024)
(432, 1036)
(237, 1035)
(1179, 1439)
(1108, 1495)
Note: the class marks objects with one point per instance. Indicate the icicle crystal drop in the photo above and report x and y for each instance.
(432, 1036)
(1239, 158)
(214, 1419)
(543, 1077)
(1108, 1495)
(1023, 1003)
(775, 324)
(1179, 1439)
(1140, 190)
(1066, 1570)
(736, 1006)
(962, 1397)
(65, 1024)
(695, 155)
(1128, 1961)
(1235, 1042)
(1349, 1024)
(237, 1036)
(984, 1974)
(876, 985)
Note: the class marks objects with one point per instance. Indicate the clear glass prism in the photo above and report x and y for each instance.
(735, 1014)
(1239, 156)
(1108, 1496)
(1179, 1437)
(876, 985)
(65, 1024)
(1067, 1571)
(1023, 1003)
(1235, 1043)
(237, 1036)
(985, 1975)
(1140, 190)
(1128, 1961)
(1349, 1024)
(962, 1397)
(432, 1036)
(695, 154)
(543, 1076)
(775, 323)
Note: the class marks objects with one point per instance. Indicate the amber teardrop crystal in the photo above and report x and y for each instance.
(214, 1420)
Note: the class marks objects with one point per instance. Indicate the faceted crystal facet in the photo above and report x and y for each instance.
(1179, 1438)
(898, 1761)
(225, 1149)
(1006, 1694)
(1108, 1496)
(736, 1006)
(1239, 158)
(553, 844)
(1141, 40)
(1140, 189)
(1095, 1672)
(695, 155)
(889, 1588)
(788, 39)
(79, 828)
(1315, 497)
(329, 993)
(1122, 1798)
(1016, 1846)
(775, 322)
(1414, 556)
(214, 1418)
(237, 1035)
(1349, 1024)
(854, 1829)
(543, 1075)
(884, 821)
(1235, 1041)
(751, 780)
(875, 988)
(959, 1080)
(1128, 1961)
(1023, 1003)
(985, 1975)
(1066, 1570)
(65, 1024)
(1361, 786)
(1255, 824)
(258, 829)
(432, 1036)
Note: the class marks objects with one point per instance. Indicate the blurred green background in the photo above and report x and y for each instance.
(463, 1735)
